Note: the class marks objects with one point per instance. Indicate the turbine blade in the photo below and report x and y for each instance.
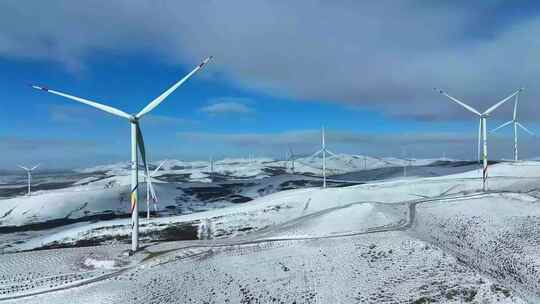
(331, 153)
(159, 167)
(140, 145)
(23, 167)
(498, 104)
(94, 104)
(316, 153)
(502, 126)
(35, 167)
(152, 191)
(154, 103)
(466, 106)
(515, 106)
(525, 129)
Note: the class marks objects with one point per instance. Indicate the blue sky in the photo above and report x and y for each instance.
(277, 77)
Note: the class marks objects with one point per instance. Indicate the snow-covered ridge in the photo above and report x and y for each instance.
(245, 167)
(416, 240)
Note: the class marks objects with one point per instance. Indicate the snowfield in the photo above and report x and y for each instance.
(102, 192)
(433, 237)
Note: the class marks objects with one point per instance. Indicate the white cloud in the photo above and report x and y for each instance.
(227, 107)
(386, 55)
(70, 114)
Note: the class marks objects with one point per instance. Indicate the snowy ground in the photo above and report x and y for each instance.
(102, 192)
(403, 240)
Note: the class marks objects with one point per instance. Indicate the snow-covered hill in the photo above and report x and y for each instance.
(411, 240)
(101, 192)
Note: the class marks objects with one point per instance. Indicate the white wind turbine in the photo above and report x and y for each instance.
(323, 151)
(291, 159)
(29, 175)
(136, 141)
(482, 127)
(516, 125)
(212, 165)
(150, 192)
(407, 163)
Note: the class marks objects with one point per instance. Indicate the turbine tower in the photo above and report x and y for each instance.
(516, 124)
(150, 192)
(323, 151)
(136, 141)
(29, 174)
(482, 127)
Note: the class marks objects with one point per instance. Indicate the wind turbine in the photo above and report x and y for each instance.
(482, 127)
(323, 151)
(291, 159)
(29, 174)
(150, 192)
(365, 162)
(407, 163)
(136, 141)
(516, 125)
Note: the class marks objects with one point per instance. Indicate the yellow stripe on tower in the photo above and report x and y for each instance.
(133, 201)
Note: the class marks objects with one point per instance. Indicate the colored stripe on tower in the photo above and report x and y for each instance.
(133, 199)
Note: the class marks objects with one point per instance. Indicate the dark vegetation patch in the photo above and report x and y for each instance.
(174, 178)
(104, 216)
(170, 232)
(238, 199)
(39, 182)
(273, 171)
(176, 167)
(423, 300)
(461, 163)
(175, 232)
(221, 192)
(23, 190)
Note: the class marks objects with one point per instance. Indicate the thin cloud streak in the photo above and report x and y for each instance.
(419, 144)
(230, 107)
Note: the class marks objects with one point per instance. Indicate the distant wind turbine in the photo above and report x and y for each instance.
(29, 174)
(150, 192)
(407, 163)
(136, 141)
(365, 162)
(482, 127)
(291, 159)
(516, 125)
(323, 151)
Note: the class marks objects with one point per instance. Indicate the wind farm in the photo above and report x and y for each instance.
(482, 130)
(309, 161)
